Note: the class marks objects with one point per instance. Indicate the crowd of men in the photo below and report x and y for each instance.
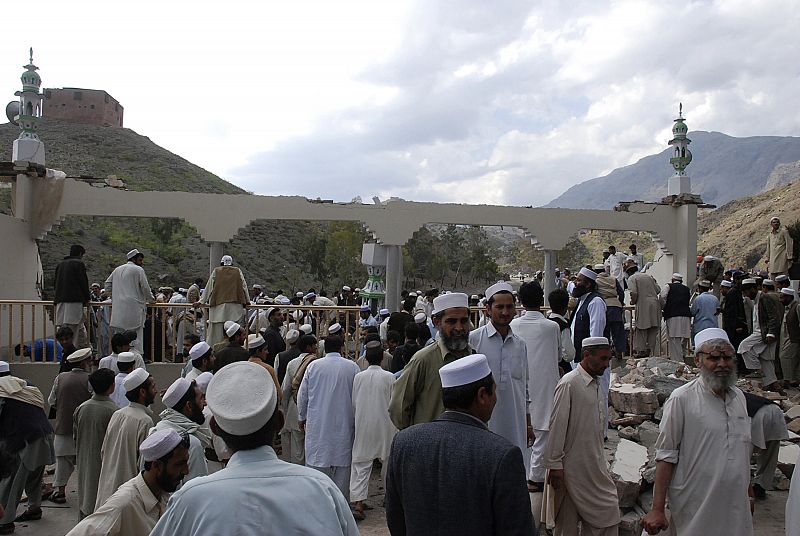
(273, 430)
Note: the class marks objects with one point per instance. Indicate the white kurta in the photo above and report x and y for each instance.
(374, 431)
(118, 396)
(793, 504)
(325, 402)
(708, 440)
(130, 294)
(290, 423)
(110, 362)
(508, 361)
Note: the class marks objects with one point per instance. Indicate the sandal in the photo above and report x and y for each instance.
(57, 497)
(29, 515)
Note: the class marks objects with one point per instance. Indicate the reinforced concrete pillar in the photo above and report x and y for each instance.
(21, 197)
(214, 255)
(394, 276)
(685, 259)
(549, 270)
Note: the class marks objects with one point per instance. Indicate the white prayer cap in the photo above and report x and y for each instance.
(782, 278)
(463, 371)
(4, 366)
(346, 288)
(768, 283)
(591, 274)
(365, 308)
(270, 310)
(175, 392)
(357, 289)
(183, 290)
(132, 253)
(199, 350)
(451, 300)
(135, 379)
(79, 355)
(705, 283)
(299, 294)
(708, 334)
(310, 296)
(412, 294)
(473, 297)
(774, 218)
(788, 292)
(233, 329)
(292, 335)
(748, 281)
(126, 357)
(226, 260)
(242, 397)
(283, 300)
(256, 286)
(500, 286)
(334, 328)
(306, 329)
(600, 267)
(420, 318)
(590, 342)
(255, 340)
(203, 380)
(297, 314)
(383, 312)
(677, 276)
(709, 258)
(159, 444)
(726, 283)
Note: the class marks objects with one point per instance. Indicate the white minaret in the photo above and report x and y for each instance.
(28, 147)
(680, 183)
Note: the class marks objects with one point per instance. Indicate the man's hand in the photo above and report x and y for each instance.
(531, 437)
(555, 478)
(655, 521)
(302, 425)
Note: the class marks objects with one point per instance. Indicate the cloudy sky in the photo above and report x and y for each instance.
(507, 102)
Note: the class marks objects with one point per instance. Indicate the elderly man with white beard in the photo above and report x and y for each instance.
(703, 450)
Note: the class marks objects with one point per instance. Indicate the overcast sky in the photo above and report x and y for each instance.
(507, 102)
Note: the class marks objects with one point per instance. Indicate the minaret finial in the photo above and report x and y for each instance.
(680, 109)
(31, 54)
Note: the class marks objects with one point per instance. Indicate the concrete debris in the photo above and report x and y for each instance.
(794, 426)
(629, 432)
(663, 386)
(648, 434)
(630, 398)
(630, 460)
(630, 524)
(787, 458)
(780, 481)
(793, 412)
(634, 420)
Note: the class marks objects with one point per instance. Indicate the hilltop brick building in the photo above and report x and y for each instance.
(92, 106)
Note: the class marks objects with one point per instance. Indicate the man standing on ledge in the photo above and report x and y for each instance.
(72, 294)
(780, 249)
(226, 295)
(130, 294)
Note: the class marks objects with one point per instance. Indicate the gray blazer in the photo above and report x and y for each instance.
(454, 476)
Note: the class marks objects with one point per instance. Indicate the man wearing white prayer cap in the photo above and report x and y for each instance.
(758, 349)
(416, 395)
(4, 369)
(257, 348)
(366, 319)
(790, 339)
(226, 296)
(711, 269)
(674, 301)
(130, 294)
(134, 509)
(780, 249)
(202, 358)
(383, 327)
(507, 356)
(580, 486)
(614, 263)
(234, 350)
(782, 281)
(203, 380)
(184, 403)
(705, 425)
(127, 429)
(244, 404)
(283, 358)
(479, 468)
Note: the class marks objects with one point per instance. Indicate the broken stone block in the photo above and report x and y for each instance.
(794, 426)
(630, 460)
(793, 412)
(648, 434)
(663, 386)
(630, 524)
(787, 457)
(628, 432)
(628, 398)
(659, 414)
(664, 366)
(779, 481)
(645, 500)
(631, 420)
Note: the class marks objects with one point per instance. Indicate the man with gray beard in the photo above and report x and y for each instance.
(703, 450)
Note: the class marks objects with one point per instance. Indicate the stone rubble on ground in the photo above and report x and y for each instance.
(639, 388)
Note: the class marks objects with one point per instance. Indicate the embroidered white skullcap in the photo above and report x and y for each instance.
(748, 281)
(233, 329)
(768, 283)
(79, 355)
(135, 379)
(782, 278)
(126, 357)
(591, 274)
(788, 292)
(590, 342)
(159, 444)
(677, 276)
(463, 371)
(334, 328)
(199, 350)
(242, 397)
(708, 334)
(500, 286)
(132, 253)
(4, 366)
(451, 300)
(709, 258)
(226, 260)
(346, 288)
(203, 381)
(726, 283)
(292, 335)
(420, 318)
(600, 267)
(175, 392)
(306, 329)
(383, 312)
(255, 340)
(705, 283)
(365, 308)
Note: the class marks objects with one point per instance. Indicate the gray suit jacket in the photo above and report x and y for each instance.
(454, 476)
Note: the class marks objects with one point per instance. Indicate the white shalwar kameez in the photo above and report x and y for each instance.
(793, 504)
(118, 396)
(325, 403)
(130, 294)
(707, 438)
(541, 338)
(752, 348)
(508, 361)
(374, 431)
(110, 362)
(292, 438)
(679, 328)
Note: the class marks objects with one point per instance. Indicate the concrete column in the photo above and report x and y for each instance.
(685, 259)
(394, 276)
(21, 197)
(214, 255)
(549, 270)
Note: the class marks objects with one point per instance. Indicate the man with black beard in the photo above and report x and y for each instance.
(184, 414)
(417, 394)
(703, 450)
(134, 509)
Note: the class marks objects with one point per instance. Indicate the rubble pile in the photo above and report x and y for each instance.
(639, 388)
